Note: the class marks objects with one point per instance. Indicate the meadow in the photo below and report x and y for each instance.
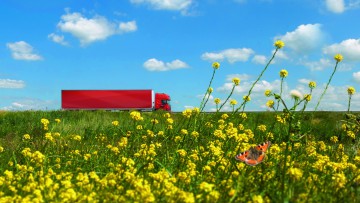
(101, 156)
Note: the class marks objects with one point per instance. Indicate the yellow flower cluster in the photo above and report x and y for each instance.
(135, 115)
(283, 73)
(351, 90)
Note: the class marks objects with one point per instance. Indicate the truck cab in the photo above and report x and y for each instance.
(162, 101)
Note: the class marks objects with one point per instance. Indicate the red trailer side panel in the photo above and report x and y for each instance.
(107, 99)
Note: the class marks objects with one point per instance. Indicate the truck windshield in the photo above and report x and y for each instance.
(164, 102)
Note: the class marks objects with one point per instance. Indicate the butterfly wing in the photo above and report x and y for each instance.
(242, 156)
(255, 155)
(263, 146)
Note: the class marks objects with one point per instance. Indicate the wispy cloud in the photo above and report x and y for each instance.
(231, 55)
(23, 51)
(175, 5)
(340, 6)
(157, 65)
(89, 30)
(319, 65)
(356, 77)
(58, 39)
(335, 6)
(30, 104)
(8, 83)
(259, 59)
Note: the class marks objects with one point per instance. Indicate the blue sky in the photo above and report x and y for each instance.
(169, 46)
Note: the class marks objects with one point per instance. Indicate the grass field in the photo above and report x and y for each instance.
(99, 156)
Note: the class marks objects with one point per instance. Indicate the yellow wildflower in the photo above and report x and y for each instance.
(26, 137)
(195, 134)
(307, 97)
(338, 57)
(217, 101)
(262, 128)
(76, 137)
(246, 98)
(243, 115)
(154, 121)
(283, 73)
(216, 65)
(351, 134)
(236, 81)
(183, 131)
(295, 173)
(206, 187)
(351, 90)
(339, 180)
(187, 113)
(312, 84)
(233, 102)
(334, 139)
(135, 115)
(115, 123)
(279, 44)
(210, 90)
(270, 103)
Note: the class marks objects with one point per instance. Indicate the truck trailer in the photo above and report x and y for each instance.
(142, 100)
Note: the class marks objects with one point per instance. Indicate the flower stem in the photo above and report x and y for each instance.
(202, 104)
(232, 90)
(327, 85)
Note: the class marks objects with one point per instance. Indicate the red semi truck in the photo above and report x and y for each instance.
(143, 100)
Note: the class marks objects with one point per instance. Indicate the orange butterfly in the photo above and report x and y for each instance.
(254, 155)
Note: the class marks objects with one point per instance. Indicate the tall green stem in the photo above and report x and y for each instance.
(281, 89)
(349, 103)
(202, 104)
(327, 85)
(232, 90)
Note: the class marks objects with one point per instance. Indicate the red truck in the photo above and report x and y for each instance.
(143, 100)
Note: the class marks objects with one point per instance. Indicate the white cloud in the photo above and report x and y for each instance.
(304, 81)
(349, 48)
(335, 6)
(128, 27)
(304, 38)
(231, 55)
(245, 86)
(57, 38)
(89, 30)
(242, 77)
(318, 65)
(23, 51)
(259, 59)
(356, 76)
(178, 5)
(157, 65)
(8, 83)
(340, 6)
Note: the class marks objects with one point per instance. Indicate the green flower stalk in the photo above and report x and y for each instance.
(351, 91)
(236, 82)
(338, 58)
(283, 74)
(278, 44)
(215, 65)
(217, 102)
